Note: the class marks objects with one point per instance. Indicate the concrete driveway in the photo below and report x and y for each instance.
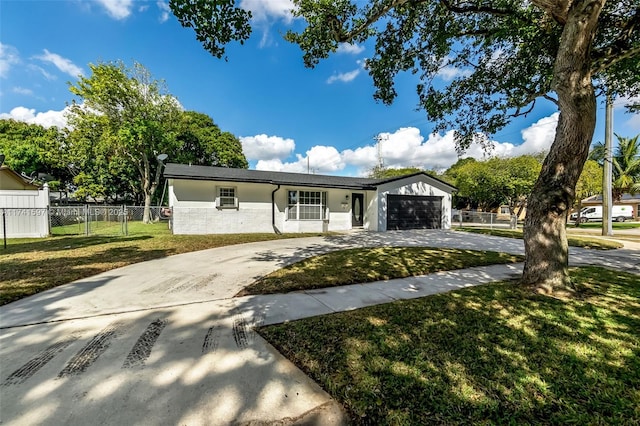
(165, 342)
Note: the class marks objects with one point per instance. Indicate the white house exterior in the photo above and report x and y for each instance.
(217, 200)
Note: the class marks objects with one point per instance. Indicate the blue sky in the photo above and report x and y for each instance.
(286, 116)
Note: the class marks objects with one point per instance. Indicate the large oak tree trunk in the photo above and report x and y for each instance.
(545, 240)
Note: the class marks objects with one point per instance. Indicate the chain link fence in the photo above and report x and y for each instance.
(467, 218)
(75, 220)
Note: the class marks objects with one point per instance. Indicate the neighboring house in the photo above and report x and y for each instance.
(10, 180)
(626, 200)
(23, 206)
(218, 200)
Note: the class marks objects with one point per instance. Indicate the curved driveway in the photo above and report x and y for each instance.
(164, 341)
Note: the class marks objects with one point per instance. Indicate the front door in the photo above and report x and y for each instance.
(357, 209)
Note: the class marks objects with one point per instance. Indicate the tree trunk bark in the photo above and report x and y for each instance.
(546, 267)
(146, 217)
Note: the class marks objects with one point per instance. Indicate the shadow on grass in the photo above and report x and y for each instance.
(67, 242)
(22, 277)
(363, 265)
(488, 354)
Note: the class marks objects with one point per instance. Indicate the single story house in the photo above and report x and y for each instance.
(218, 200)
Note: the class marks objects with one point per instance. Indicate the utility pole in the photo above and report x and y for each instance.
(379, 140)
(607, 177)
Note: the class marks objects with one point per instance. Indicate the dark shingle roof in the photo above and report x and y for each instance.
(185, 171)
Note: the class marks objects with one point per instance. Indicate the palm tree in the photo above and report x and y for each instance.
(626, 165)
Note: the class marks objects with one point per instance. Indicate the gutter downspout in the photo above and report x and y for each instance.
(273, 210)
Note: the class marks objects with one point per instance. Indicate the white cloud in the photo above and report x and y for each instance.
(448, 72)
(350, 49)
(117, 9)
(345, 77)
(262, 10)
(45, 119)
(22, 91)
(42, 71)
(406, 147)
(634, 122)
(538, 137)
(263, 147)
(319, 159)
(8, 56)
(165, 10)
(63, 64)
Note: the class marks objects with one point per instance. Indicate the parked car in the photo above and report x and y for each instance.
(594, 214)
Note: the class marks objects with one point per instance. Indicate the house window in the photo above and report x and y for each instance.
(227, 198)
(306, 205)
(504, 210)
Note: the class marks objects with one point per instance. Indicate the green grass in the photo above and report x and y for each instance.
(492, 354)
(573, 240)
(364, 265)
(29, 266)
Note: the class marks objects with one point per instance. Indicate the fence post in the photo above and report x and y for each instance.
(48, 221)
(4, 229)
(491, 219)
(126, 221)
(86, 219)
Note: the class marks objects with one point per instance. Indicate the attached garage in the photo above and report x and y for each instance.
(414, 212)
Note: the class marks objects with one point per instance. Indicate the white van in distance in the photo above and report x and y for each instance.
(594, 214)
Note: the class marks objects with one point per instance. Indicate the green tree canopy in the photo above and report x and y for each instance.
(626, 165)
(511, 53)
(32, 150)
(590, 182)
(497, 181)
(382, 172)
(201, 142)
(136, 115)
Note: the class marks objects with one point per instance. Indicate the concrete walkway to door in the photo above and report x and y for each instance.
(164, 342)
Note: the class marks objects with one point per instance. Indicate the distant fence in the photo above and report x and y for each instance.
(74, 220)
(465, 218)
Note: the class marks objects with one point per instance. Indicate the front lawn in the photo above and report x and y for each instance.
(573, 240)
(492, 354)
(29, 266)
(615, 225)
(364, 265)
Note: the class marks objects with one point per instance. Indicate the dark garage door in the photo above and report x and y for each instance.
(414, 212)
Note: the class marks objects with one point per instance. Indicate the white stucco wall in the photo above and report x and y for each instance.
(415, 185)
(195, 212)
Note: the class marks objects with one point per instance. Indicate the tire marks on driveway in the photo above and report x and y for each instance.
(91, 351)
(211, 340)
(239, 332)
(142, 348)
(36, 363)
(243, 330)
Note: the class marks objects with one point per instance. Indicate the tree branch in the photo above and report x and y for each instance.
(611, 56)
(371, 19)
(468, 8)
(558, 9)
